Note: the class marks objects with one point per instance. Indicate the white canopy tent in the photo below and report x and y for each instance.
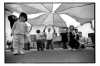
(45, 14)
(82, 12)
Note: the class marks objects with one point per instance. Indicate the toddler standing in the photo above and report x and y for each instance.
(19, 32)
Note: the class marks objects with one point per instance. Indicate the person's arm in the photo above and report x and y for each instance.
(26, 29)
(68, 35)
(44, 29)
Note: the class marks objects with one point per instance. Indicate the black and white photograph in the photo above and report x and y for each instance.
(49, 32)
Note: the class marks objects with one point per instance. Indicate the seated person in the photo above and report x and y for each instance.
(91, 39)
(82, 40)
(76, 34)
(89, 42)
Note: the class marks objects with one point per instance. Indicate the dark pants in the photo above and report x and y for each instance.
(27, 46)
(64, 44)
(39, 45)
(74, 44)
(49, 44)
(82, 46)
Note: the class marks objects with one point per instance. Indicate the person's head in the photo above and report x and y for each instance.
(23, 17)
(38, 31)
(12, 19)
(71, 27)
(65, 29)
(80, 34)
(76, 30)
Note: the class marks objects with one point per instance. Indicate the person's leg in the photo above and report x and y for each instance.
(30, 42)
(77, 44)
(70, 44)
(67, 44)
(21, 44)
(47, 46)
(82, 46)
(51, 44)
(11, 46)
(15, 44)
(64, 45)
(38, 46)
(42, 45)
(73, 44)
(45, 43)
(27, 42)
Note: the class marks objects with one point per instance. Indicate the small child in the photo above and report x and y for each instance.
(39, 41)
(19, 31)
(49, 37)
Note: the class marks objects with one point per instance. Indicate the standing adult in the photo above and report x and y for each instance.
(64, 36)
(12, 19)
(72, 40)
(49, 37)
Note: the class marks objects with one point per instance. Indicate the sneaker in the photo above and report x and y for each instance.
(74, 49)
(21, 52)
(15, 53)
(69, 48)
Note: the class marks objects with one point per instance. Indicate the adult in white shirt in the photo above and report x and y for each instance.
(49, 31)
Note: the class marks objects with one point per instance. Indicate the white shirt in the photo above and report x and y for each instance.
(49, 35)
(19, 28)
(38, 36)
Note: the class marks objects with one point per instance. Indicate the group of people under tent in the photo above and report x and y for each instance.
(71, 39)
